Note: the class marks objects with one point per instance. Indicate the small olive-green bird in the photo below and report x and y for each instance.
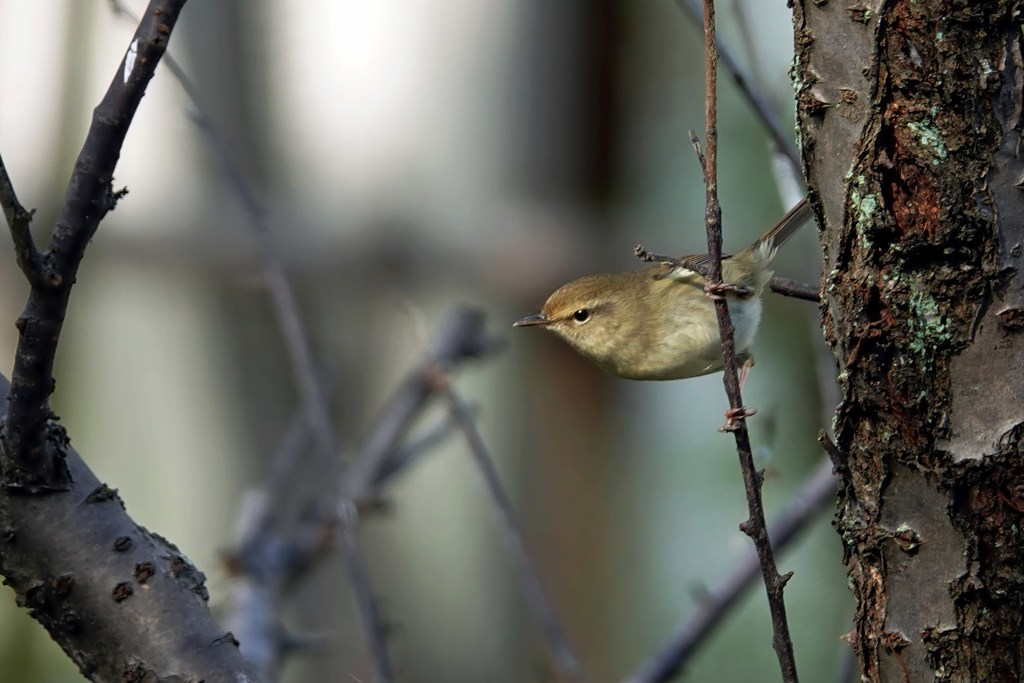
(659, 323)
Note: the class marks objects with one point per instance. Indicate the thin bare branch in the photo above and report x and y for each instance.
(366, 601)
(781, 135)
(837, 457)
(755, 525)
(794, 288)
(406, 455)
(275, 553)
(20, 222)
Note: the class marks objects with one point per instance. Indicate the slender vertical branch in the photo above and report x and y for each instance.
(32, 446)
(20, 221)
(781, 135)
(755, 525)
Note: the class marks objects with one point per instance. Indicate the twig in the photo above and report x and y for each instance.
(779, 134)
(406, 455)
(20, 221)
(271, 558)
(463, 336)
(366, 602)
(816, 493)
(266, 563)
(783, 286)
(32, 456)
(536, 599)
(282, 469)
(285, 306)
(793, 288)
(273, 553)
(754, 526)
(834, 454)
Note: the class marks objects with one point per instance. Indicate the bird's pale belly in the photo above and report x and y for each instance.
(692, 349)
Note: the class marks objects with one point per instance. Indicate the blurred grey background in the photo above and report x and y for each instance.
(413, 156)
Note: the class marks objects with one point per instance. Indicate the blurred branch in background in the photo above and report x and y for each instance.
(278, 550)
(566, 662)
(814, 497)
(463, 337)
(308, 383)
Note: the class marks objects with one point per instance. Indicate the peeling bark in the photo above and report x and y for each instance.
(911, 141)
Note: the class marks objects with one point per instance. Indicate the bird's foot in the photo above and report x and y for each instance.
(718, 291)
(734, 414)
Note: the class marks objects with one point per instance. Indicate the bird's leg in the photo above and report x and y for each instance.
(740, 413)
(748, 362)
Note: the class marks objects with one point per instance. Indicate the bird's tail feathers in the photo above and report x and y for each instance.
(794, 219)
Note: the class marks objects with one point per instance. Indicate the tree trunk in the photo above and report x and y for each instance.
(911, 140)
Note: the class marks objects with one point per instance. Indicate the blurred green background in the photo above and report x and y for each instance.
(412, 156)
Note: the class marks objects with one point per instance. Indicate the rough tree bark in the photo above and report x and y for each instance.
(911, 141)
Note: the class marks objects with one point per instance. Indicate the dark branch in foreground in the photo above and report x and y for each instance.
(122, 602)
(20, 221)
(533, 591)
(814, 496)
(755, 525)
(32, 457)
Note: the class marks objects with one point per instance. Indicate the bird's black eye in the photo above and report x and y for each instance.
(581, 316)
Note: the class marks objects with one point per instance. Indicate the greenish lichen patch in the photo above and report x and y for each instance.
(864, 204)
(929, 136)
(929, 328)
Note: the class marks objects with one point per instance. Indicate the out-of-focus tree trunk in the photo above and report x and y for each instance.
(910, 120)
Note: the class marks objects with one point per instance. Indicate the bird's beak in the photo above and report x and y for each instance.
(532, 319)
